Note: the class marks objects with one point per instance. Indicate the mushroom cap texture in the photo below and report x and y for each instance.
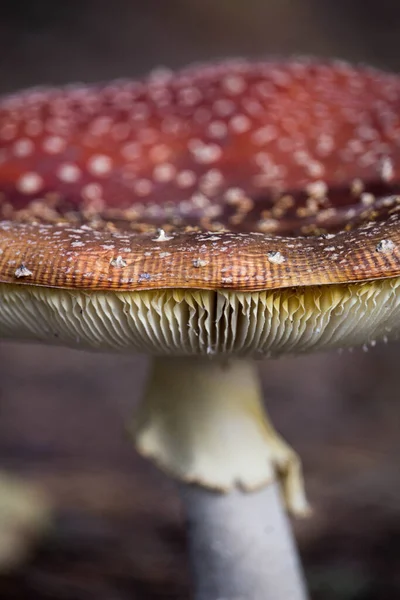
(260, 175)
(238, 176)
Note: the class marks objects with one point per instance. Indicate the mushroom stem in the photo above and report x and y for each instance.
(204, 422)
(241, 545)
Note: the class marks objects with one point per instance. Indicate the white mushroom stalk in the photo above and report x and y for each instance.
(203, 422)
(241, 545)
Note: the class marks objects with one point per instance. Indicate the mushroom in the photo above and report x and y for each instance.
(207, 218)
(25, 518)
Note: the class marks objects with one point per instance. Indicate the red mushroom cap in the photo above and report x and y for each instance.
(226, 159)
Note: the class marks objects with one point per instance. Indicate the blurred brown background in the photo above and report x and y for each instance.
(119, 532)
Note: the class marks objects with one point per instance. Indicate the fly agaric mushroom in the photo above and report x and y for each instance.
(223, 213)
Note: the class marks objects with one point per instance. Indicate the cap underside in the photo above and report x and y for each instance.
(201, 322)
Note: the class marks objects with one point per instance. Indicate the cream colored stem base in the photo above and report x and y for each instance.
(204, 423)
